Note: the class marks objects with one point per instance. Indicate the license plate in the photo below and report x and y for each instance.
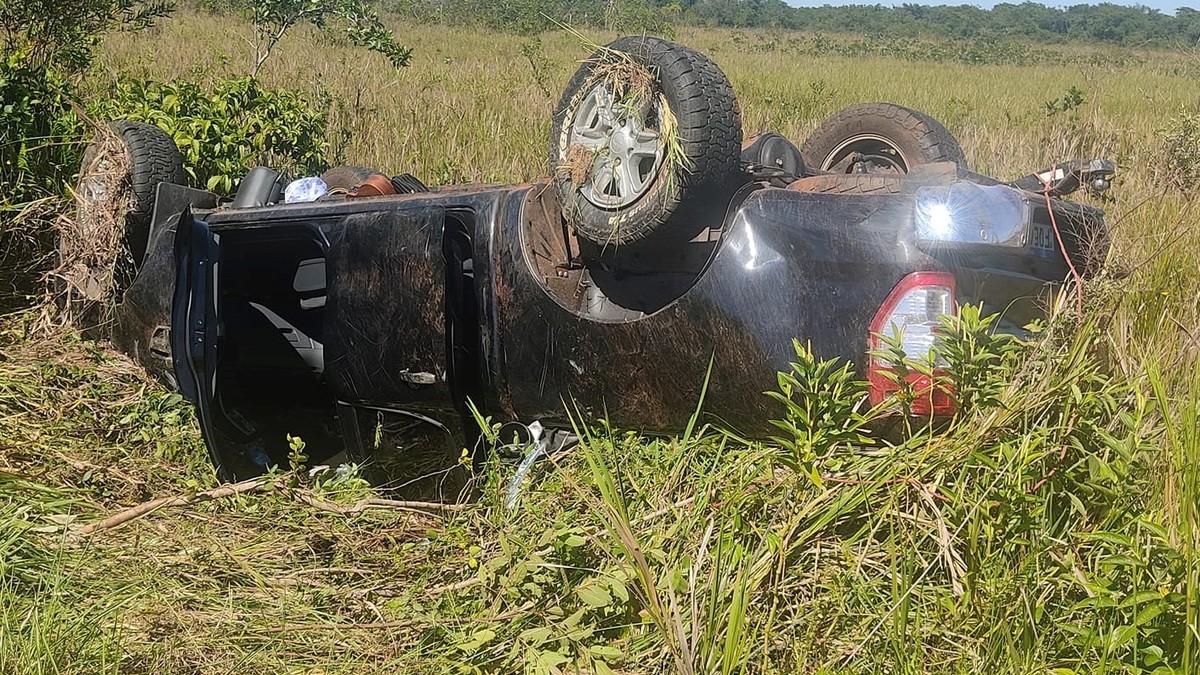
(1043, 241)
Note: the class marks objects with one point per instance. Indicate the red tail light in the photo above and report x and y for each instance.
(913, 310)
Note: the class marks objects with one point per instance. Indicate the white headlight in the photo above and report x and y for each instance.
(966, 212)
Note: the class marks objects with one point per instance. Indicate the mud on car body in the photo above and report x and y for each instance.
(661, 252)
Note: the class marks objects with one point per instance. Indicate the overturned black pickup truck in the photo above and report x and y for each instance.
(660, 252)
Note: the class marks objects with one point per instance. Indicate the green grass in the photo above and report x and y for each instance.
(1052, 529)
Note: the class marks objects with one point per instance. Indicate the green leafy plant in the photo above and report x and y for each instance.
(297, 458)
(979, 358)
(1072, 100)
(46, 47)
(823, 405)
(637, 16)
(225, 130)
(44, 35)
(1180, 138)
(272, 19)
(539, 65)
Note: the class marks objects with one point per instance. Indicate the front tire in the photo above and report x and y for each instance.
(101, 254)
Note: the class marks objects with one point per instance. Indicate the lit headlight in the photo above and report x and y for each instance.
(966, 212)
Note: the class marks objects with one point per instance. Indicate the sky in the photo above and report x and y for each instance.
(1164, 6)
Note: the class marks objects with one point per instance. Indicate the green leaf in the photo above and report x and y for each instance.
(537, 636)
(550, 659)
(571, 622)
(618, 589)
(1141, 598)
(1121, 635)
(1096, 602)
(1148, 614)
(477, 640)
(605, 651)
(594, 595)
(1077, 504)
(1152, 655)
(1108, 538)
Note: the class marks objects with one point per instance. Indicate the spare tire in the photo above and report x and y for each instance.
(880, 138)
(645, 127)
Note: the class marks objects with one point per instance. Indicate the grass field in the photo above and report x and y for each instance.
(1055, 530)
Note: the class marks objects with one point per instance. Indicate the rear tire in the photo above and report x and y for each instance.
(628, 155)
(347, 177)
(892, 138)
(153, 158)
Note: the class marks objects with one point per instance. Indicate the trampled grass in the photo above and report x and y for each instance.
(1055, 531)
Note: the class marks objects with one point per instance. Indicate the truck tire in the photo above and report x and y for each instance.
(152, 158)
(643, 129)
(890, 139)
(347, 177)
(850, 184)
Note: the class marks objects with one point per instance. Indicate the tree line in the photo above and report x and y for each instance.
(1104, 23)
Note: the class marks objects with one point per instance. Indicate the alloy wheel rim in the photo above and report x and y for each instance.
(625, 145)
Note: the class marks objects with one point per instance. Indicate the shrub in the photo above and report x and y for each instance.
(1181, 148)
(222, 132)
(46, 45)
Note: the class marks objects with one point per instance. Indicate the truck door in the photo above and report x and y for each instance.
(385, 331)
(194, 323)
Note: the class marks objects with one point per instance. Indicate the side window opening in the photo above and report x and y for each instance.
(463, 331)
(270, 356)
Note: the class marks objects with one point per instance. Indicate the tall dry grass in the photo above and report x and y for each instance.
(855, 584)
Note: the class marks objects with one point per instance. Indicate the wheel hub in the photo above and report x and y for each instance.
(619, 145)
(866, 153)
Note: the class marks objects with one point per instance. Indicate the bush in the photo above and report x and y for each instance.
(34, 108)
(225, 131)
(34, 111)
(1181, 148)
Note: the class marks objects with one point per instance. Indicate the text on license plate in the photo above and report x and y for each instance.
(1042, 239)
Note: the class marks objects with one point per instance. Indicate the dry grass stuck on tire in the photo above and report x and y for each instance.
(578, 163)
(90, 243)
(635, 87)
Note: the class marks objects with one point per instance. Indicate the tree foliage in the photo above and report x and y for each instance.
(273, 18)
(51, 34)
(46, 45)
(1104, 23)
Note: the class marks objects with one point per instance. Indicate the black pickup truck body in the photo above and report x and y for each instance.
(316, 319)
